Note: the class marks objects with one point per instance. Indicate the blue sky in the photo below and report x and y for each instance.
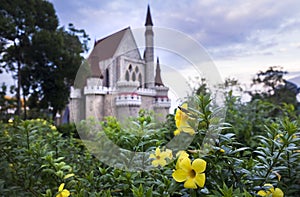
(242, 37)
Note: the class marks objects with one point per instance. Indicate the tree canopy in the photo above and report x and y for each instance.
(274, 88)
(43, 56)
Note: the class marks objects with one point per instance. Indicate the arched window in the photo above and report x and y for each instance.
(130, 68)
(136, 69)
(107, 77)
(127, 76)
(133, 76)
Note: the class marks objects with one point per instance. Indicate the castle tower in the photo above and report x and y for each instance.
(128, 84)
(162, 102)
(149, 51)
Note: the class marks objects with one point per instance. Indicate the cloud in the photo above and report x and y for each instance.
(229, 23)
(226, 28)
(295, 44)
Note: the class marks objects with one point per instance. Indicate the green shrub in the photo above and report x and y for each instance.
(239, 159)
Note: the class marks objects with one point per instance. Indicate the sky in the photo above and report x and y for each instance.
(241, 37)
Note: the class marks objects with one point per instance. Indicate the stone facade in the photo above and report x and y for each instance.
(119, 81)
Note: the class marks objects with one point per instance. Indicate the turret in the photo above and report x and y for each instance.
(149, 51)
(158, 81)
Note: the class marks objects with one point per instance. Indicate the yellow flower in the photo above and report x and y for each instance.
(62, 192)
(10, 120)
(160, 157)
(270, 191)
(192, 174)
(6, 134)
(278, 138)
(53, 128)
(278, 193)
(222, 150)
(181, 119)
(181, 155)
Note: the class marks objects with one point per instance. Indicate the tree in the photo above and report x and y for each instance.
(273, 87)
(6, 103)
(44, 57)
(19, 21)
(199, 86)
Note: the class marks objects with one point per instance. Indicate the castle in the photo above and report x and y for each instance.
(119, 81)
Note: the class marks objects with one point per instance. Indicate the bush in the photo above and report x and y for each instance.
(38, 159)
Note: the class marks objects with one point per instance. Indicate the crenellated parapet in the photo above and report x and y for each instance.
(146, 92)
(161, 91)
(127, 86)
(163, 102)
(75, 93)
(128, 100)
(97, 90)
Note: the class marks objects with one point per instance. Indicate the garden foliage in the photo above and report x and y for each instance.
(256, 154)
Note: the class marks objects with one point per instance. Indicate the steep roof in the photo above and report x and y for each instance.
(158, 81)
(148, 18)
(105, 48)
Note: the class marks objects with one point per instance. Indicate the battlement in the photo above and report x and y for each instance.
(128, 83)
(75, 93)
(162, 102)
(146, 92)
(128, 100)
(97, 90)
(161, 88)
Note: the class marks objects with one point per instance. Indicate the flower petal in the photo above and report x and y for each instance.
(164, 154)
(181, 155)
(185, 164)
(200, 179)
(199, 165)
(155, 163)
(269, 188)
(177, 132)
(152, 156)
(170, 153)
(162, 162)
(261, 193)
(61, 187)
(157, 151)
(184, 105)
(188, 130)
(278, 193)
(190, 184)
(65, 193)
(179, 175)
(180, 116)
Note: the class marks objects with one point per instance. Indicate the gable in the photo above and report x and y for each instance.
(105, 48)
(119, 43)
(128, 46)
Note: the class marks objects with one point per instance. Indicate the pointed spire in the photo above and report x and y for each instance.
(148, 18)
(158, 81)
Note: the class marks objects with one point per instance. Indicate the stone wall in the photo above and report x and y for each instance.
(75, 107)
(94, 106)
